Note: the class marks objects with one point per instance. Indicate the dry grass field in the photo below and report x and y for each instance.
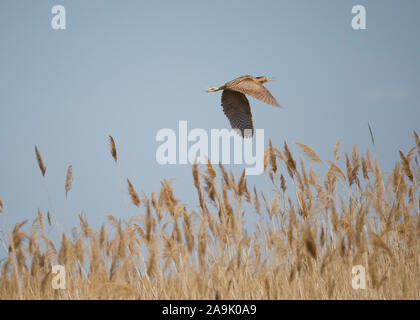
(310, 230)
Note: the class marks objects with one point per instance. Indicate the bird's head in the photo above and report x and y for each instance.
(264, 79)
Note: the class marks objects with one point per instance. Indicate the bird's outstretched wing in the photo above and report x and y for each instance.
(237, 110)
(253, 89)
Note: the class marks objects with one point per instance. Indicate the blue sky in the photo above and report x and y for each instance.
(131, 68)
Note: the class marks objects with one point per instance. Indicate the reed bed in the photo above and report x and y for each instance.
(308, 232)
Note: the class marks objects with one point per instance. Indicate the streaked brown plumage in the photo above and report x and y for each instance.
(236, 105)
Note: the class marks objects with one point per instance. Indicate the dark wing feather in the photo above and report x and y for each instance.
(237, 110)
(253, 89)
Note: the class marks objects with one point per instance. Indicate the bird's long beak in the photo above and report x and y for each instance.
(212, 89)
(269, 79)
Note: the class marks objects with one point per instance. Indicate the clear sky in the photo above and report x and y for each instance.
(131, 68)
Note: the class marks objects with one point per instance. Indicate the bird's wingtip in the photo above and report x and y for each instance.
(278, 105)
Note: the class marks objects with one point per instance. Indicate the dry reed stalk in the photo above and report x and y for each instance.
(135, 199)
(67, 187)
(272, 157)
(349, 170)
(242, 185)
(371, 134)
(150, 222)
(166, 196)
(290, 162)
(378, 242)
(188, 231)
(379, 183)
(305, 181)
(40, 162)
(4, 217)
(113, 150)
(43, 170)
(15, 248)
(406, 166)
(156, 206)
(225, 175)
(336, 147)
(69, 180)
(209, 180)
(85, 226)
(151, 262)
(256, 202)
(308, 152)
(49, 218)
(232, 180)
(186, 259)
(368, 160)
(197, 186)
(283, 183)
(416, 137)
(266, 158)
(365, 169)
(355, 162)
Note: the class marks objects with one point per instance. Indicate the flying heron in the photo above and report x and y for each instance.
(236, 105)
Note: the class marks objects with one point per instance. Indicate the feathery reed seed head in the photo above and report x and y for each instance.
(40, 162)
(113, 148)
(69, 179)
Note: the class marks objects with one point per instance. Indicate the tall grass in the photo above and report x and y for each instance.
(310, 230)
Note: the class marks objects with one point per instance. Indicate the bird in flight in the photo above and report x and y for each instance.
(236, 105)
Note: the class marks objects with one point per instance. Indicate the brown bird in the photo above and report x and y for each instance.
(236, 105)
